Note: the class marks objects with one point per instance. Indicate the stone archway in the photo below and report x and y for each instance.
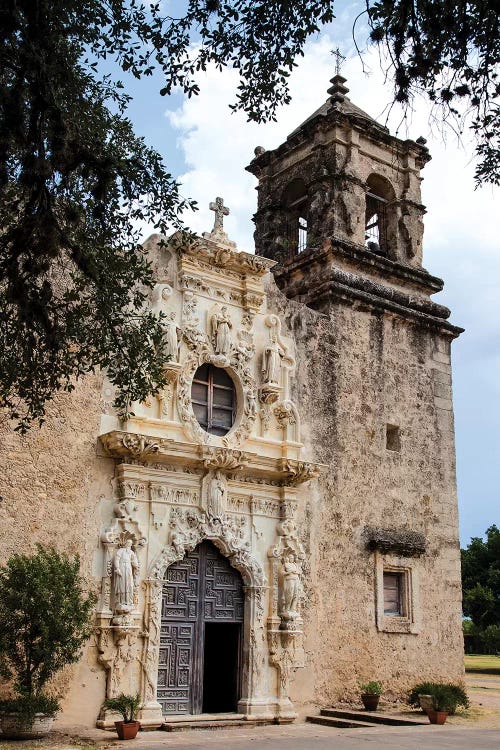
(201, 638)
(188, 530)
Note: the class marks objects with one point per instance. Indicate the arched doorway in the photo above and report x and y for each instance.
(201, 634)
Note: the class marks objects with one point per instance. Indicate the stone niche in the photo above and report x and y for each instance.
(178, 484)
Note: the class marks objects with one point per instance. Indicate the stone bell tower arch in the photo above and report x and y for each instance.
(339, 186)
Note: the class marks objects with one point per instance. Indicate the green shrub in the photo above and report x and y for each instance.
(371, 688)
(444, 698)
(423, 688)
(44, 619)
(126, 705)
(27, 706)
(456, 694)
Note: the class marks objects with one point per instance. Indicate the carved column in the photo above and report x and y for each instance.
(151, 712)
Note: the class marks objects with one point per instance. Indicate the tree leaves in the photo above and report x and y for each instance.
(75, 181)
(481, 579)
(451, 51)
(44, 617)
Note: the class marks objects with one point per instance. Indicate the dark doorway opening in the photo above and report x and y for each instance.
(221, 667)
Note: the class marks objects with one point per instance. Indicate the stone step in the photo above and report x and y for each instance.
(333, 721)
(374, 717)
(209, 721)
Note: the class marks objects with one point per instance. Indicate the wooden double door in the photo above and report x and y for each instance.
(201, 635)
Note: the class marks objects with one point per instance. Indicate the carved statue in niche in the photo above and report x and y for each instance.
(220, 325)
(171, 337)
(216, 495)
(291, 587)
(177, 538)
(190, 310)
(125, 570)
(271, 365)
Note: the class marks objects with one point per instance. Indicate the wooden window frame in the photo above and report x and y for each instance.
(409, 620)
(210, 404)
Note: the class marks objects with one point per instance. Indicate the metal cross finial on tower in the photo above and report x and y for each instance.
(339, 59)
(220, 211)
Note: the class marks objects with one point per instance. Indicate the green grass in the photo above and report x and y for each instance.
(482, 664)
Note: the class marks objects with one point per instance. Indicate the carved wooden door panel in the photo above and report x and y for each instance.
(222, 590)
(202, 587)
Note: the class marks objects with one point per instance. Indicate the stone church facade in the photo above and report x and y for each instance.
(280, 522)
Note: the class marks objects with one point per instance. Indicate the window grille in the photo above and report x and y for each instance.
(376, 224)
(214, 399)
(302, 234)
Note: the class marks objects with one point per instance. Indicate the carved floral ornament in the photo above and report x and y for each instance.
(228, 533)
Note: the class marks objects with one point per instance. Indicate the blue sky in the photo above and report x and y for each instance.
(207, 148)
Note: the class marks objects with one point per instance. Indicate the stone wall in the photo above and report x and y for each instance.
(360, 372)
(52, 482)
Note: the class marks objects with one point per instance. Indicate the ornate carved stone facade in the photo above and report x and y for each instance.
(335, 471)
(179, 485)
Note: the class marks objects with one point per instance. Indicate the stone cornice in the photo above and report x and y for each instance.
(133, 447)
(384, 267)
(368, 127)
(334, 290)
(211, 253)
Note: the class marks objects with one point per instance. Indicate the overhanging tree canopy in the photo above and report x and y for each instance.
(481, 579)
(75, 181)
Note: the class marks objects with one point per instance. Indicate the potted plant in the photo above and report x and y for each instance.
(444, 701)
(127, 706)
(421, 695)
(44, 621)
(370, 695)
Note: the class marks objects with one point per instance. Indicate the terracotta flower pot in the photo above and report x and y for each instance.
(14, 726)
(437, 717)
(370, 701)
(127, 730)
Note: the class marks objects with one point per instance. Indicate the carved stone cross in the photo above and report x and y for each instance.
(339, 59)
(220, 211)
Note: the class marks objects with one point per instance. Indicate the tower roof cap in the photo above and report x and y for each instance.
(338, 101)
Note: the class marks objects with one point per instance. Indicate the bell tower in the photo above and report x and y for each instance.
(341, 194)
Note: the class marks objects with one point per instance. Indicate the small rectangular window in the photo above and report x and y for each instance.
(393, 594)
(392, 438)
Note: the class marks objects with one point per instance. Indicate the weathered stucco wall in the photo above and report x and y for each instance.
(51, 485)
(359, 372)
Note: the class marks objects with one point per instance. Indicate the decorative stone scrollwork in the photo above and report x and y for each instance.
(285, 413)
(128, 493)
(228, 533)
(138, 445)
(284, 649)
(116, 650)
(299, 471)
(224, 458)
